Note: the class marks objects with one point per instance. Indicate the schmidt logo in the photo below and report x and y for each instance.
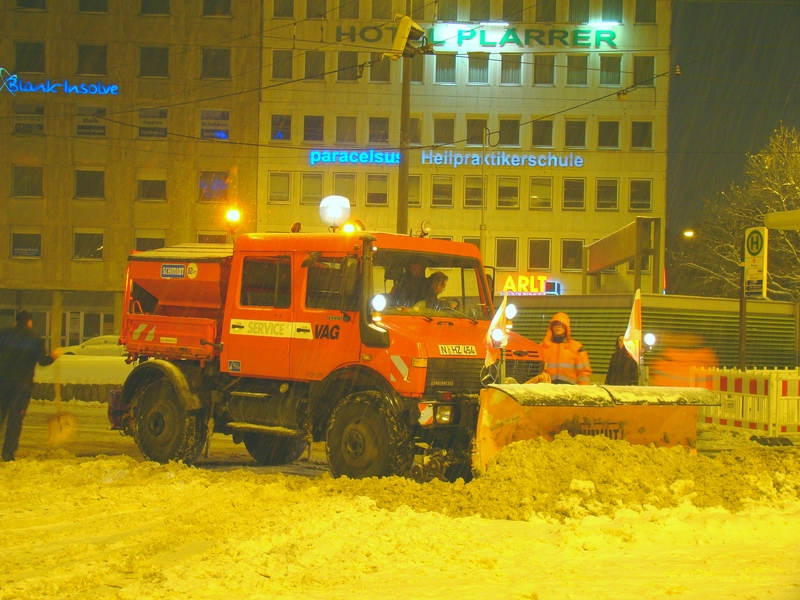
(173, 271)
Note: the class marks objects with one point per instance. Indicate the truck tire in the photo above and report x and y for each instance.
(272, 450)
(367, 438)
(165, 430)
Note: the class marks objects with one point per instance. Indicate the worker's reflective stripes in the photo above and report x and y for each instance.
(140, 329)
(399, 369)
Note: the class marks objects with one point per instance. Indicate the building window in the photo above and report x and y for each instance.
(645, 11)
(578, 11)
(316, 9)
(212, 238)
(612, 11)
(382, 9)
(311, 188)
(577, 69)
(476, 128)
(381, 68)
(544, 69)
(31, 4)
(379, 130)
(608, 134)
(279, 188)
(443, 131)
(417, 68)
(93, 6)
(281, 128)
(418, 9)
(315, 65)
(510, 69)
(571, 255)
(313, 128)
(26, 244)
(505, 252)
(151, 189)
(415, 131)
(445, 68)
(644, 71)
(213, 186)
(541, 193)
(575, 134)
(508, 192)
(91, 121)
(215, 124)
(542, 133)
(153, 61)
(283, 9)
(442, 191)
(346, 130)
(414, 190)
(473, 191)
(644, 262)
(574, 194)
(479, 10)
(90, 184)
(377, 190)
(448, 10)
(29, 119)
(28, 182)
(607, 194)
(216, 63)
(216, 8)
(88, 245)
(513, 11)
(546, 11)
(610, 70)
(642, 135)
(538, 255)
(154, 7)
(347, 68)
(153, 123)
(282, 64)
(92, 60)
(145, 239)
(29, 57)
(348, 9)
(344, 184)
(509, 132)
(478, 67)
(641, 195)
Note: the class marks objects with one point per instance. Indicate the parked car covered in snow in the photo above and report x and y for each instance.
(102, 345)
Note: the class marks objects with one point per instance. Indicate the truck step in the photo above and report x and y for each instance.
(284, 431)
(251, 395)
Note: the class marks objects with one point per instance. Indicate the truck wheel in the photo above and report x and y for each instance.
(272, 450)
(366, 438)
(165, 430)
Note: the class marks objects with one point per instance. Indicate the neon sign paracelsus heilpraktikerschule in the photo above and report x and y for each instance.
(15, 86)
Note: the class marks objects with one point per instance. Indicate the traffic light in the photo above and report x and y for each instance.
(407, 31)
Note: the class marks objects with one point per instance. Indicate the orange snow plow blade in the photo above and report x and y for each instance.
(664, 416)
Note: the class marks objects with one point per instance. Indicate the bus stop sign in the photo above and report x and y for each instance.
(755, 262)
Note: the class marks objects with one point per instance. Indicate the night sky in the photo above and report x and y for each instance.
(740, 65)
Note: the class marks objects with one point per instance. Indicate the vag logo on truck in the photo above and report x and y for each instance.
(330, 332)
(173, 271)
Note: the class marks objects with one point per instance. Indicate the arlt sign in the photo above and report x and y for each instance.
(517, 284)
(755, 262)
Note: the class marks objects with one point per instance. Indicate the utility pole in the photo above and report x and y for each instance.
(405, 126)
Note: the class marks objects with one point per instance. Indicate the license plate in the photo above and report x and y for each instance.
(457, 350)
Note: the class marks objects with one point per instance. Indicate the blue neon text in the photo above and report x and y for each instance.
(16, 85)
(500, 159)
(353, 157)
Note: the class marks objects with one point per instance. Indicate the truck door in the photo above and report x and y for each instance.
(333, 338)
(259, 335)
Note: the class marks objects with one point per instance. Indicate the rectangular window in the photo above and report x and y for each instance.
(282, 64)
(645, 11)
(505, 252)
(93, 6)
(538, 255)
(414, 190)
(91, 121)
(283, 9)
(473, 191)
(26, 244)
(476, 129)
(508, 192)
(348, 9)
(642, 135)
(377, 190)
(509, 132)
(443, 131)
(149, 239)
(216, 63)
(418, 10)
(346, 130)
(641, 195)
(546, 11)
(478, 67)
(28, 182)
(88, 245)
(382, 10)
(153, 61)
(612, 11)
(544, 69)
(415, 131)
(344, 184)
(315, 65)
(418, 68)
(267, 282)
(511, 69)
(92, 60)
(574, 194)
(153, 123)
(578, 11)
(279, 188)
(148, 188)
(644, 71)
(577, 69)
(216, 8)
(313, 128)
(571, 255)
(448, 10)
(213, 186)
(610, 70)
(479, 10)
(381, 68)
(442, 191)
(475, 241)
(316, 9)
(445, 68)
(541, 193)
(281, 128)
(30, 57)
(543, 133)
(29, 119)
(607, 194)
(513, 11)
(575, 134)
(644, 262)
(212, 238)
(154, 7)
(323, 290)
(311, 188)
(31, 4)
(215, 124)
(90, 184)
(347, 67)
(379, 130)
(608, 134)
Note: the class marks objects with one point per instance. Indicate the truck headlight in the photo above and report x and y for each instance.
(444, 414)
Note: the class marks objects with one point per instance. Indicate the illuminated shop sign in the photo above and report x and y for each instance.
(500, 159)
(354, 157)
(15, 85)
(528, 284)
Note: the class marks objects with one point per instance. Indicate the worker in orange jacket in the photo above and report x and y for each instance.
(565, 359)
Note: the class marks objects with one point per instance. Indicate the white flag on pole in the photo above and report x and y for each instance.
(633, 334)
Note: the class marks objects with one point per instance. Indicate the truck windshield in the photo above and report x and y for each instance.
(430, 284)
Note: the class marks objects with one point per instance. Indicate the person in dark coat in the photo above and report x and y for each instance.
(622, 369)
(20, 351)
